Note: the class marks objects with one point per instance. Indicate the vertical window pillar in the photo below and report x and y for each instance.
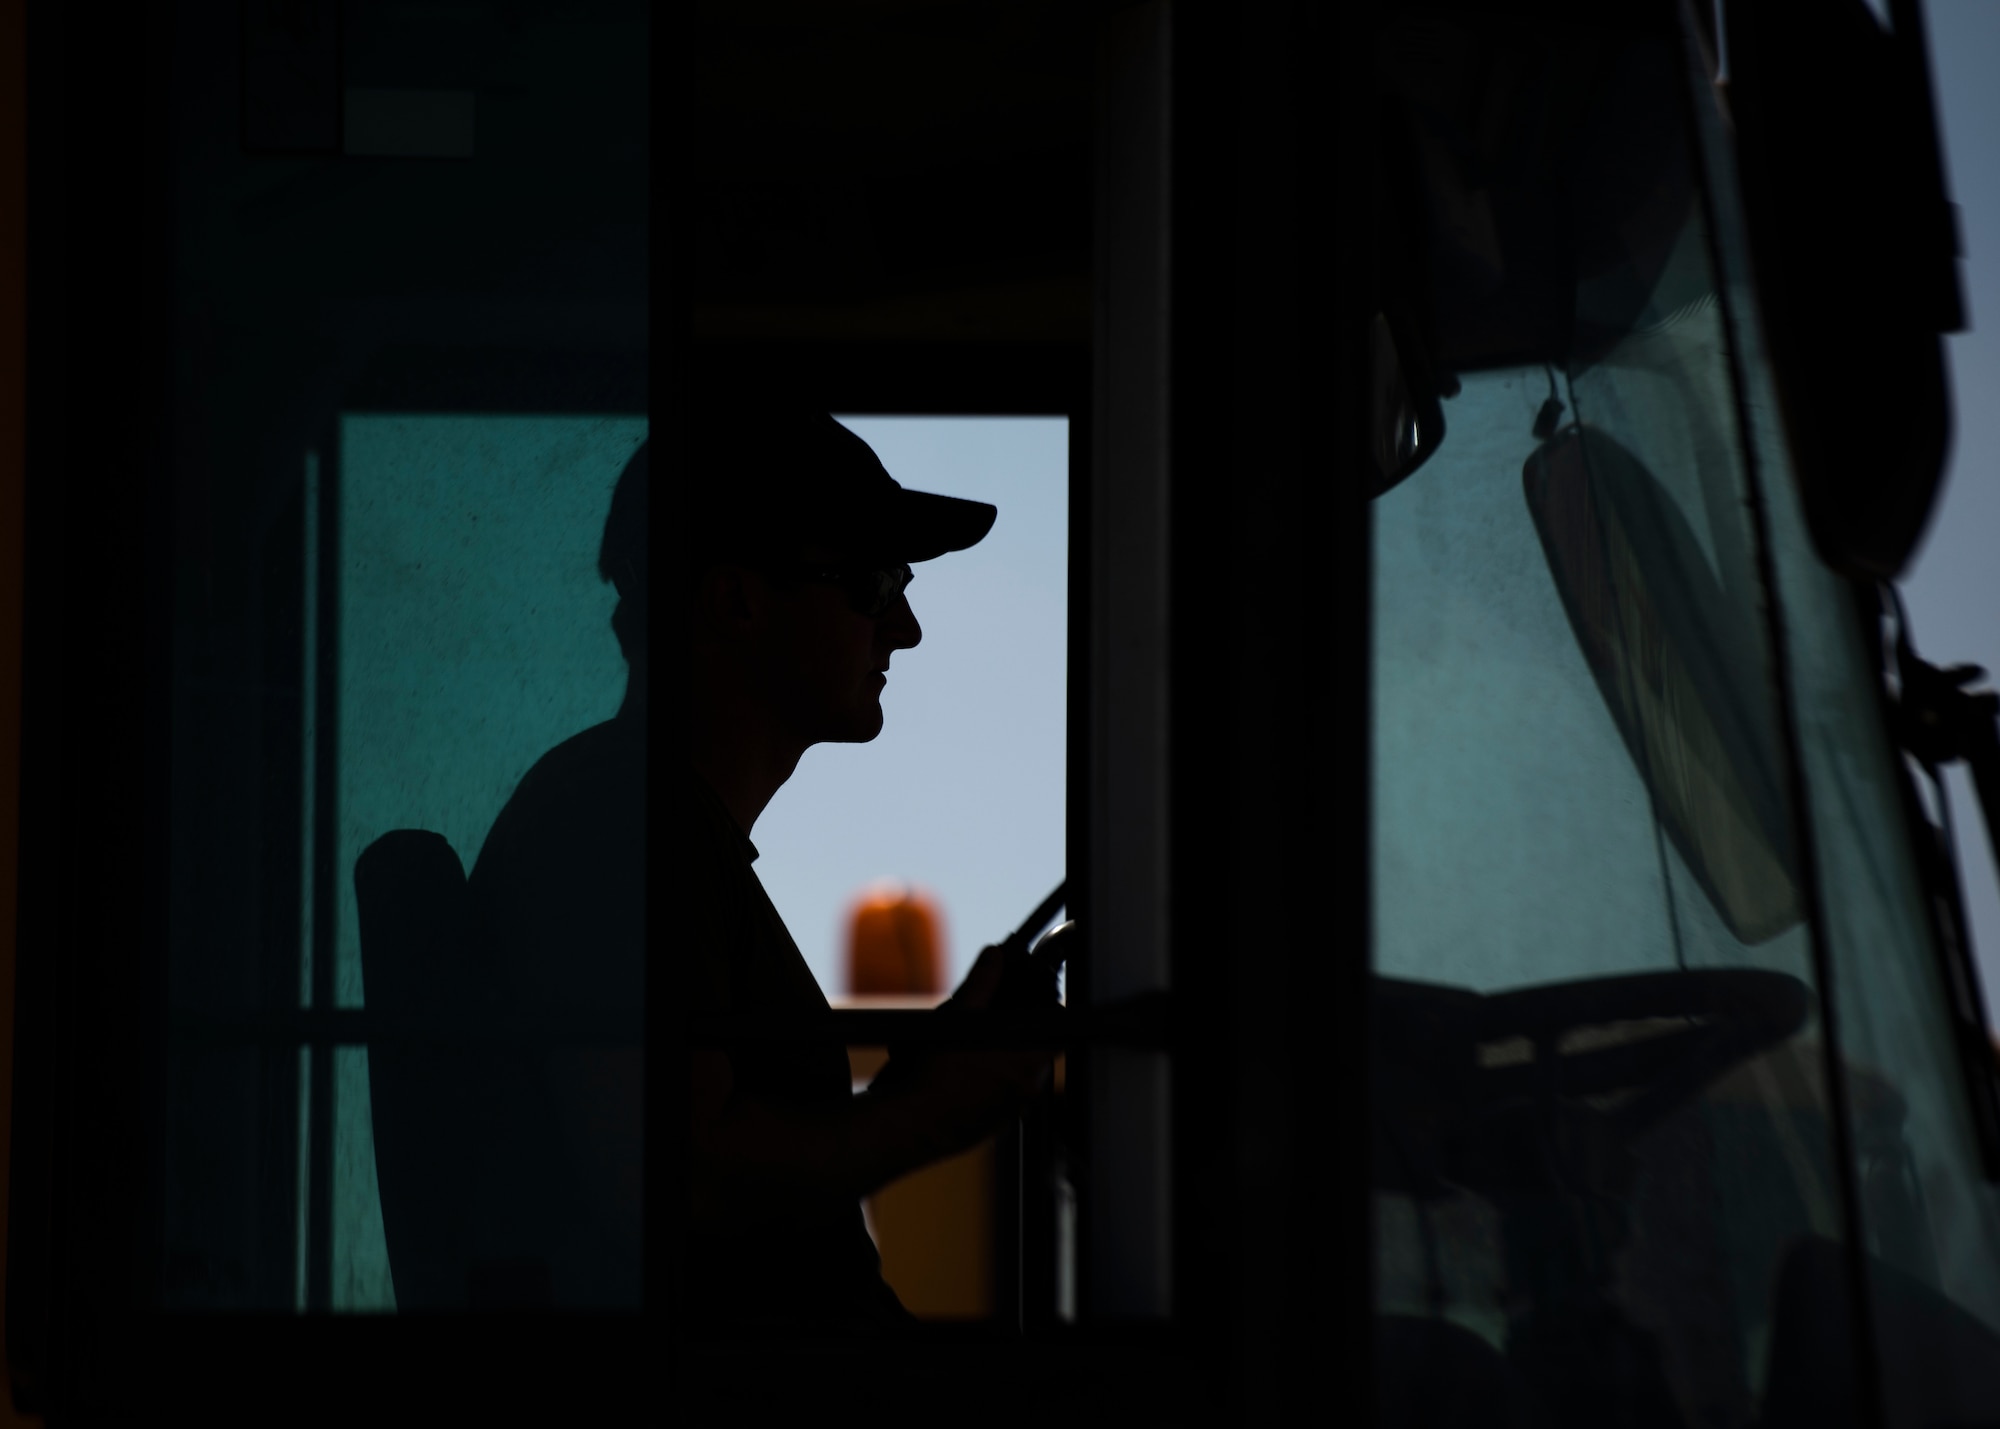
(1128, 1260)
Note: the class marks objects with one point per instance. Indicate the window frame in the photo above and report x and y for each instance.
(952, 380)
(1268, 329)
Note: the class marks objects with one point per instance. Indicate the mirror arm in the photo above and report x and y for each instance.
(1944, 723)
(1939, 721)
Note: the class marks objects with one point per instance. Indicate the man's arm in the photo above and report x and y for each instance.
(754, 1160)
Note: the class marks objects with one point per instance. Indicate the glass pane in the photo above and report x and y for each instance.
(957, 808)
(474, 637)
(1931, 1220)
(983, 835)
(1601, 1121)
(409, 307)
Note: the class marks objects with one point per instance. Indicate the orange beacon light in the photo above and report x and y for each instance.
(895, 943)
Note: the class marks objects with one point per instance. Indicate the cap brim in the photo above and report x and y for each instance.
(921, 525)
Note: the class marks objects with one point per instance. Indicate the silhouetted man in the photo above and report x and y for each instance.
(785, 610)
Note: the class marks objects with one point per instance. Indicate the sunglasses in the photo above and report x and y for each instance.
(870, 590)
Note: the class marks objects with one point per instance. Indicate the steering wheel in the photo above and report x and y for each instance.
(1619, 1053)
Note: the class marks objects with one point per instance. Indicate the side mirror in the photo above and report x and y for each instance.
(1854, 247)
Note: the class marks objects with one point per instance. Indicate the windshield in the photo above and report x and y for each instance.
(1613, 1180)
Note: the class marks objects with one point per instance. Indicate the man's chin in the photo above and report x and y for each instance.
(863, 727)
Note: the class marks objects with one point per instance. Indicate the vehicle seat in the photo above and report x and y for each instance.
(410, 891)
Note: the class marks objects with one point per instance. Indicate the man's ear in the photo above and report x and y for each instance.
(727, 597)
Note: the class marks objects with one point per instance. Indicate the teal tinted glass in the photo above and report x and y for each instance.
(408, 291)
(1635, 793)
(1602, 1128)
(475, 635)
(1930, 1215)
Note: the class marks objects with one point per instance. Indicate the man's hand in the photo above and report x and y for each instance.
(753, 1159)
(994, 1076)
(980, 985)
(1000, 979)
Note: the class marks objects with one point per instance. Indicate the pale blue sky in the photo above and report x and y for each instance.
(1953, 586)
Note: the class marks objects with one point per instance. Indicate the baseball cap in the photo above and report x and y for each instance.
(767, 476)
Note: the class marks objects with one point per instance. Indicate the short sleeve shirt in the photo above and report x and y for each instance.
(559, 894)
(822, 1268)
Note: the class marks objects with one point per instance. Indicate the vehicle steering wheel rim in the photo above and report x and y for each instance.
(1442, 1051)
(1731, 1015)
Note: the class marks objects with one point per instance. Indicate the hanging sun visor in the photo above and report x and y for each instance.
(1683, 681)
(1535, 178)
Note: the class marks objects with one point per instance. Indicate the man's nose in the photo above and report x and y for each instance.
(898, 626)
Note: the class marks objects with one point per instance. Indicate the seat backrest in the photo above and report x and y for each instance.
(410, 891)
